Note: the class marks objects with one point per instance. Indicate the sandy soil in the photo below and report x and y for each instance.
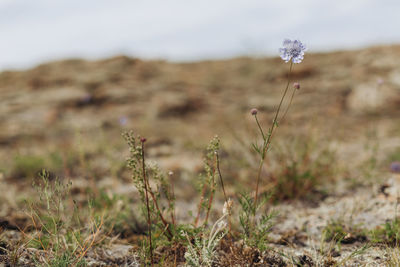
(349, 101)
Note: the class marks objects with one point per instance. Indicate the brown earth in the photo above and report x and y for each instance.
(70, 114)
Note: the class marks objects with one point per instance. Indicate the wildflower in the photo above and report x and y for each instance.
(143, 139)
(296, 85)
(292, 50)
(170, 173)
(87, 98)
(123, 121)
(253, 111)
(395, 167)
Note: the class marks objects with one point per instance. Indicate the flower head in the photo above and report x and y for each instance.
(395, 167)
(296, 86)
(292, 50)
(123, 121)
(253, 111)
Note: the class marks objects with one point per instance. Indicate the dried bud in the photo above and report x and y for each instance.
(226, 210)
(253, 111)
(296, 85)
(143, 139)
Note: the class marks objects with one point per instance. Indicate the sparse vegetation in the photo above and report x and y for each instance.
(340, 232)
(28, 166)
(388, 233)
(280, 193)
(57, 227)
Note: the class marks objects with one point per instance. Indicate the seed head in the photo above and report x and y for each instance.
(253, 111)
(296, 85)
(226, 210)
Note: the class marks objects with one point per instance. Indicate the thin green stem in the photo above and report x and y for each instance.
(220, 178)
(212, 192)
(259, 127)
(147, 205)
(267, 140)
(170, 202)
(290, 103)
(275, 121)
(164, 221)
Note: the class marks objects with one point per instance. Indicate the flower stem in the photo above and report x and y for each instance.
(201, 201)
(267, 140)
(147, 205)
(170, 204)
(290, 103)
(220, 177)
(164, 221)
(259, 127)
(212, 191)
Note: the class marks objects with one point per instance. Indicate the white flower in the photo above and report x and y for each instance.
(292, 50)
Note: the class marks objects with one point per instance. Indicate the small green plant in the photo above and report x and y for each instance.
(58, 227)
(255, 230)
(388, 233)
(208, 181)
(203, 250)
(158, 207)
(335, 231)
(339, 232)
(157, 223)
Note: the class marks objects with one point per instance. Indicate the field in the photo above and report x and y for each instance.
(71, 162)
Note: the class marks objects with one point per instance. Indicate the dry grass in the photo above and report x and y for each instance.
(66, 117)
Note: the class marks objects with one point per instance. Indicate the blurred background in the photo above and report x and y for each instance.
(75, 74)
(178, 30)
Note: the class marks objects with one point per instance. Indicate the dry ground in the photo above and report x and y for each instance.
(68, 117)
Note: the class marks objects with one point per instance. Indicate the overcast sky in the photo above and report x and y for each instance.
(33, 31)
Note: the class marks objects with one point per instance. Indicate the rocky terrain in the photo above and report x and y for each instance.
(68, 117)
